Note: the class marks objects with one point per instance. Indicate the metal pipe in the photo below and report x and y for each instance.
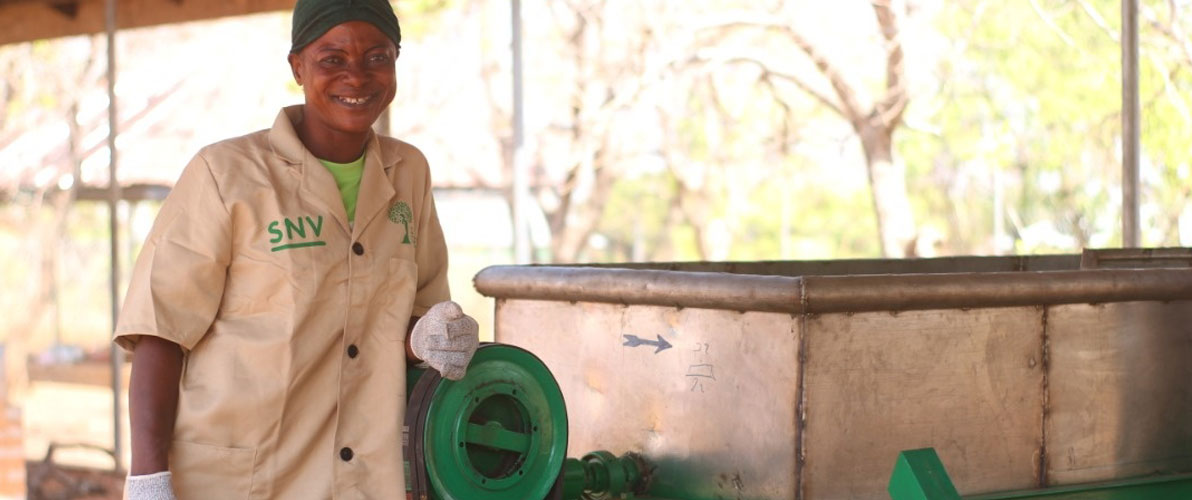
(521, 246)
(827, 294)
(1131, 120)
(741, 292)
(934, 265)
(117, 358)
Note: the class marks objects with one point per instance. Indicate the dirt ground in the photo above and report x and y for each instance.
(73, 483)
(73, 413)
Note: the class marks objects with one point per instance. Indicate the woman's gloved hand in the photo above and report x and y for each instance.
(446, 338)
(156, 486)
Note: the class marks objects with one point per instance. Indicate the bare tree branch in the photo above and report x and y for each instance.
(784, 140)
(873, 125)
(1173, 30)
(1051, 24)
(769, 73)
(1099, 20)
(849, 105)
(891, 107)
(590, 126)
(1169, 88)
(1177, 31)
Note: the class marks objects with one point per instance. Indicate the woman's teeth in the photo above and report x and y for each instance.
(354, 101)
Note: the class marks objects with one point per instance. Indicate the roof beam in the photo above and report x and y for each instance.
(68, 9)
(26, 20)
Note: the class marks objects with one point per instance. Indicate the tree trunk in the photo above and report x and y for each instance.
(573, 223)
(891, 203)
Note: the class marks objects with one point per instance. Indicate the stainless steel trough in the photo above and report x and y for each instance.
(804, 380)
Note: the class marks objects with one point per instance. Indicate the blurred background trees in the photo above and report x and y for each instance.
(656, 131)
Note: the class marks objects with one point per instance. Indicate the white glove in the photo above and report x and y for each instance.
(446, 338)
(155, 486)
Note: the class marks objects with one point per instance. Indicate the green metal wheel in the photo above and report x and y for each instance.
(499, 433)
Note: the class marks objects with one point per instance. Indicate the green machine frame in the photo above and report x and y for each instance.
(920, 475)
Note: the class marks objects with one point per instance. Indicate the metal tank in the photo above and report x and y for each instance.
(804, 380)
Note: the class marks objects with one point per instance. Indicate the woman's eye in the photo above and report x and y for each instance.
(332, 60)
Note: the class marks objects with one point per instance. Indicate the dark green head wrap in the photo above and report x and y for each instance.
(312, 18)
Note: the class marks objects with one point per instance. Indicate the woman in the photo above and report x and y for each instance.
(269, 311)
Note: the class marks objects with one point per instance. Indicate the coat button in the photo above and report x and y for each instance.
(353, 351)
(357, 248)
(345, 453)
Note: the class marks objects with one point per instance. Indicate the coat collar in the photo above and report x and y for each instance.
(376, 183)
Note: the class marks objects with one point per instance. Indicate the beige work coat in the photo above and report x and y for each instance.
(292, 322)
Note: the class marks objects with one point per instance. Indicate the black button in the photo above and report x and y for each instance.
(357, 248)
(346, 454)
(353, 351)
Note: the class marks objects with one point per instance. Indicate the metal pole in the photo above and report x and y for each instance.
(117, 356)
(521, 244)
(1131, 120)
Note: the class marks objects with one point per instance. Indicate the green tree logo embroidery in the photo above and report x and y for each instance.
(400, 213)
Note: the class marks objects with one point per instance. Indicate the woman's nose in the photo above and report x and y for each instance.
(355, 73)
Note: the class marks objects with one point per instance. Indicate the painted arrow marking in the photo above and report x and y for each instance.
(634, 341)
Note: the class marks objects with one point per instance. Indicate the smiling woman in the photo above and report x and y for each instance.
(347, 77)
(271, 307)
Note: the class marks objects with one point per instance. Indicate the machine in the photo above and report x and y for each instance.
(500, 433)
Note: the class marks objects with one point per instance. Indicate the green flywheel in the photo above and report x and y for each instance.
(500, 432)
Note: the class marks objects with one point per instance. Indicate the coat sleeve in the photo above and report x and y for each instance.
(178, 280)
(431, 254)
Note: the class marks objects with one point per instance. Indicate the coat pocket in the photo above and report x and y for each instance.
(202, 471)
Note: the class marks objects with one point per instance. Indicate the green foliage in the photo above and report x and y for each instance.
(1036, 97)
(819, 224)
(784, 218)
(1166, 95)
(419, 17)
(635, 218)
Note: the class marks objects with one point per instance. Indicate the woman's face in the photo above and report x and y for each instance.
(347, 76)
